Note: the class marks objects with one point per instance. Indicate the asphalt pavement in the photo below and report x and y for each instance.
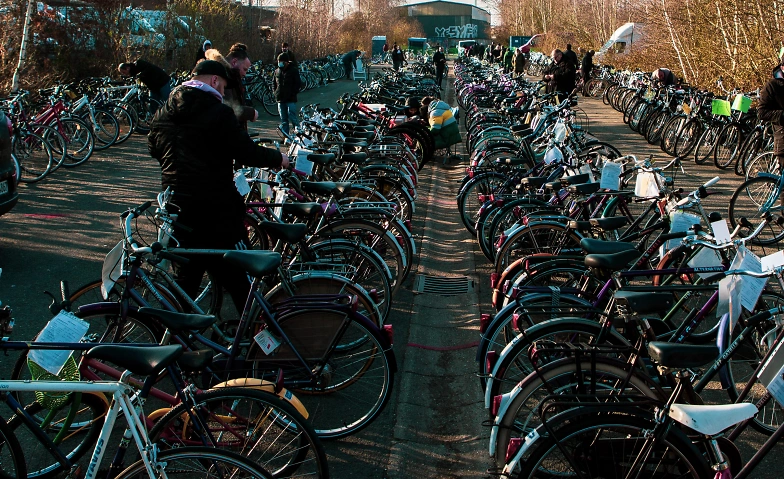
(432, 428)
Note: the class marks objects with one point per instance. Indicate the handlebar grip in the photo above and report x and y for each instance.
(669, 236)
(65, 293)
(712, 182)
(757, 318)
(174, 257)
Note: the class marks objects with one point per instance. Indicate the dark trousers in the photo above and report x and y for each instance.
(349, 69)
(439, 76)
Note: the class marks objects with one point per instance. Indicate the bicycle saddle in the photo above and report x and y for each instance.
(676, 355)
(579, 225)
(356, 158)
(711, 420)
(576, 179)
(322, 158)
(364, 135)
(255, 263)
(302, 210)
(614, 262)
(595, 246)
(506, 160)
(141, 360)
(324, 188)
(192, 361)
(290, 233)
(584, 189)
(364, 122)
(609, 224)
(644, 302)
(180, 321)
(534, 181)
(553, 185)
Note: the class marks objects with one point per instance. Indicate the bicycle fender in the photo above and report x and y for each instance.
(769, 175)
(267, 386)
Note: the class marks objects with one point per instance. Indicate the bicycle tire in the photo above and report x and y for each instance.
(752, 199)
(40, 463)
(254, 423)
(106, 129)
(34, 155)
(688, 137)
(268, 102)
(727, 146)
(766, 162)
(605, 457)
(706, 144)
(125, 122)
(550, 237)
(12, 459)
(146, 108)
(81, 141)
(355, 379)
(189, 462)
(469, 199)
(56, 142)
(670, 132)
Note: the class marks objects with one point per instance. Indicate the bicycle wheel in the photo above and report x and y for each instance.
(34, 155)
(354, 370)
(268, 102)
(74, 441)
(56, 142)
(537, 237)
(765, 163)
(202, 462)
(145, 110)
(81, 141)
(608, 445)
(727, 145)
(752, 200)
(106, 129)
(253, 423)
(471, 197)
(125, 122)
(12, 459)
(706, 144)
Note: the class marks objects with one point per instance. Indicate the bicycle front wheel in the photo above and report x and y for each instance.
(34, 155)
(752, 200)
(608, 446)
(80, 138)
(202, 462)
(254, 423)
(106, 129)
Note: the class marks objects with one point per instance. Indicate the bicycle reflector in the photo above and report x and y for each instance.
(390, 333)
(490, 359)
(496, 404)
(513, 448)
(484, 321)
(494, 280)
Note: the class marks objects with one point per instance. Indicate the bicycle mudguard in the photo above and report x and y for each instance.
(267, 386)
(723, 340)
(769, 175)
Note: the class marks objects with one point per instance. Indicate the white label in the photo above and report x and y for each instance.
(752, 287)
(705, 257)
(241, 183)
(772, 261)
(280, 197)
(729, 299)
(63, 328)
(111, 269)
(721, 231)
(303, 164)
(266, 190)
(266, 341)
(679, 222)
(611, 176)
(646, 185)
(3, 187)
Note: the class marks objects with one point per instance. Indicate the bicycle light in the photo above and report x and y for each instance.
(484, 322)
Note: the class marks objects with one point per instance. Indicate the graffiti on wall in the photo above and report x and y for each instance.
(456, 31)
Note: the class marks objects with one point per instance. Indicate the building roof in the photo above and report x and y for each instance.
(444, 1)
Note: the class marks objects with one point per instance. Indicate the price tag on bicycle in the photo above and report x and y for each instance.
(266, 341)
(63, 328)
(611, 176)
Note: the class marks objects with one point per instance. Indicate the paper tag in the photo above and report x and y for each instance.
(303, 164)
(705, 258)
(752, 287)
(266, 190)
(63, 328)
(679, 222)
(280, 197)
(112, 269)
(646, 186)
(611, 176)
(241, 183)
(729, 299)
(266, 341)
(772, 261)
(721, 231)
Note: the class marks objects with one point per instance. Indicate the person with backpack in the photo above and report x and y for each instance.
(286, 84)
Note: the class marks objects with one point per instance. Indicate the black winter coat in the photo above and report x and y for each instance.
(563, 79)
(234, 96)
(197, 141)
(151, 75)
(587, 65)
(771, 108)
(571, 57)
(286, 84)
(439, 60)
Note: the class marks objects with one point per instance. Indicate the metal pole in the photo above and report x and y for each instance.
(23, 47)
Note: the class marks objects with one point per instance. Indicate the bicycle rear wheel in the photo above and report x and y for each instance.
(34, 155)
(81, 141)
(202, 462)
(254, 423)
(752, 200)
(106, 129)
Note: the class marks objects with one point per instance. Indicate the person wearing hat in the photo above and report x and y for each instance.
(286, 85)
(771, 108)
(153, 76)
(204, 47)
(198, 142)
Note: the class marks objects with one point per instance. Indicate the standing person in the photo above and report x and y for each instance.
(154, 77)
(349, 62)
(771, 108)
(286, 85)
(285, 49)
(235, 97)
(200, 52)
(439, 61)
(571, 57)
(398, 57)
(508, 58)
(385, 53)
(586, 67)
(560, 75)
(489, 52)
(197, 140)
(519, 59)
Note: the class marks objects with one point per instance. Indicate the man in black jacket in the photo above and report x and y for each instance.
(157, 80)
(197, 141)
(439, 60)
(571, 57)
(560, 75)
(286, 83)
(771, 108)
